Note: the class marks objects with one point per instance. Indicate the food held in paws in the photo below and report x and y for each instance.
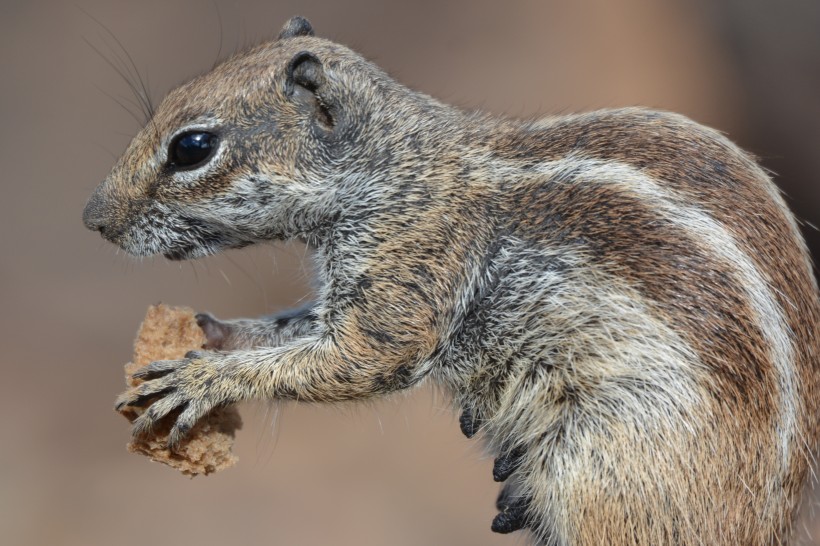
(167, 333)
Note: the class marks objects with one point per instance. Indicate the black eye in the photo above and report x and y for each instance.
(190, 150)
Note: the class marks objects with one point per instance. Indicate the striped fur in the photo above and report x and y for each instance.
(619, 300)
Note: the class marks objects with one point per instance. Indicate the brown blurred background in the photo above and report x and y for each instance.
(390, 473)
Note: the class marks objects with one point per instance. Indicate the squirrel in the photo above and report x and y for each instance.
(619, 301)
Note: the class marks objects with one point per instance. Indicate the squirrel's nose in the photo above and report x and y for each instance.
(93, 215)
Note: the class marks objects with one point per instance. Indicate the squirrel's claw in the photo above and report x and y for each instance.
(185, 422)
(157, 369)
(513, 514)
(506, 464)
(469, 423)
(142, 395)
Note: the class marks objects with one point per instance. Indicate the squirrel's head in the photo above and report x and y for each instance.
(241, 154)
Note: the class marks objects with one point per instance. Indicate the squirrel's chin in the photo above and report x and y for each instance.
(177, 255)
(191, 252)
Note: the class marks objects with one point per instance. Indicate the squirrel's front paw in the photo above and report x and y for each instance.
(192, 386)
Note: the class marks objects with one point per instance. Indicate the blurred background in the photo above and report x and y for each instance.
(396, 472)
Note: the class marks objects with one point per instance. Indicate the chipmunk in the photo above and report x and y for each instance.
(620, 301)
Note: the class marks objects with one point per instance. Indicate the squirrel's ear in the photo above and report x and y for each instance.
(305, 70)
(305, 84)
(296, 26)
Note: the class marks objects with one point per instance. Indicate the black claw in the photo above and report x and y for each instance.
(468, 423)
(512, 517)
(505, 523)
(143, 399)
(140, 374)
(506, 464)
(175, 439)
(147, 374)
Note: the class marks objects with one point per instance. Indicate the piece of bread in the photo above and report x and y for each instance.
(167, 333)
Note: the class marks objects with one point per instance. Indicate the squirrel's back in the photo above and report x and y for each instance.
(655, 312)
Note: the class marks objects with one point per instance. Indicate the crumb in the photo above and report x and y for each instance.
(167, 333)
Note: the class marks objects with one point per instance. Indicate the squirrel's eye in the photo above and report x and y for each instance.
(190, 150)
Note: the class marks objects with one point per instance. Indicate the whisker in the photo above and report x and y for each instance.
(250, 277)
(122, 104)
(224, 276)
(196, 275)
(128, 71)
(146, 96)
(105, 149)
(122, 75)
(219, 18)
(260, 275)
(130, 74)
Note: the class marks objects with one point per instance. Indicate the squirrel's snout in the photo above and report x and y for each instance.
(94, 212)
